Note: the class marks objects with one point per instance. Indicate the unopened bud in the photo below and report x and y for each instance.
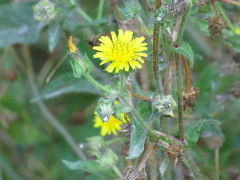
(44, 10)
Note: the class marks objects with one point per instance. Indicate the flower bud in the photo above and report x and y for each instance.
(44, 10)
(164, 104)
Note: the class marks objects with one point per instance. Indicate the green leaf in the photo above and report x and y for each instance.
(137, 140)
(92, 167)
(54, 34)
(138, 135)
(186, 49)
(65, 84)
(193, 131)
(234, 41)
(17, 24)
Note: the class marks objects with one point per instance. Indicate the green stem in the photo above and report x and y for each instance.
(48, 115)
(143, 25)
(100, 9)
(182, 25)
(157, 75)
(116, 170)
(224, 16)
(121, 83)
(180, 98)
(80, 11)
(191, 164)
(95, 83)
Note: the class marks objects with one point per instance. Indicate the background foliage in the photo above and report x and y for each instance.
(32, 148)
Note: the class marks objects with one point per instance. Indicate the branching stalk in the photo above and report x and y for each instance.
(157, 75)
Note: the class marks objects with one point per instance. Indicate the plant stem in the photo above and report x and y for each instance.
(169, 76)
(182, 25)
(100, 9)
(157, 75)
(180, 99)
(141, 97)
(116, 170)
(48, 115)
(80, 11)
(191, 164)
(143, 25)
(230, 2)
(187, 74)
(95, 83)
(121, 77)
(224, 16)
(144, 161)
(217, 163)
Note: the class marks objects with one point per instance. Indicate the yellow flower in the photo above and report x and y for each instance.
(71, 45)
(237, 30)
(111, 126)
(122, 51)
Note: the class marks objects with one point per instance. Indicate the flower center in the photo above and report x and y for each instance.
(122, 52)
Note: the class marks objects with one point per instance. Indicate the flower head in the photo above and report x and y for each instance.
(71, 45)
(121, 51)
(237, 30)
(111, 126)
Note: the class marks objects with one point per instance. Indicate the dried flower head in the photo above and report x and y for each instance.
(189, 98)
(215, 26)
(111, 126)
(121, 51)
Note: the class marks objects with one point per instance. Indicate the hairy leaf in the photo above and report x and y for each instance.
(186, 49)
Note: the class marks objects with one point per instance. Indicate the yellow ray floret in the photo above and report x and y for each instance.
(71, 45)
(121, 51)
(237, 30)
(111, 126)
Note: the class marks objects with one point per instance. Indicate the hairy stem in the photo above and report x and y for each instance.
(191, 164)
(96, 84)
(157, 75)
(180, 98)
(48, 115)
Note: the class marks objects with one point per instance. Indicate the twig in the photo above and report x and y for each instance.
(144, 161)
(141, 97)
(230, 2)
(217, 163)
(156, 72)
(48, 115)
(187, 74)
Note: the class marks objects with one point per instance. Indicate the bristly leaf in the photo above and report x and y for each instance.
(66, 84)
(54, 34)
(138, 135)
(92, 167)
(186, 50)
(194, 130)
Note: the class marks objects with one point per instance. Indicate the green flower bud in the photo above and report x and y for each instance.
(164, 104)
(44, 10)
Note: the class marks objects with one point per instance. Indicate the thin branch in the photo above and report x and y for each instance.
(141, 97)
(187, 74)
(230, 2)
(156, 72)
(144, 161)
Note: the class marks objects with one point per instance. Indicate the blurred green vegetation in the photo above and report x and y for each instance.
(32, 148)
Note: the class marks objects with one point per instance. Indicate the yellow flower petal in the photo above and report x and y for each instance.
(71, 45)
(121, 51)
